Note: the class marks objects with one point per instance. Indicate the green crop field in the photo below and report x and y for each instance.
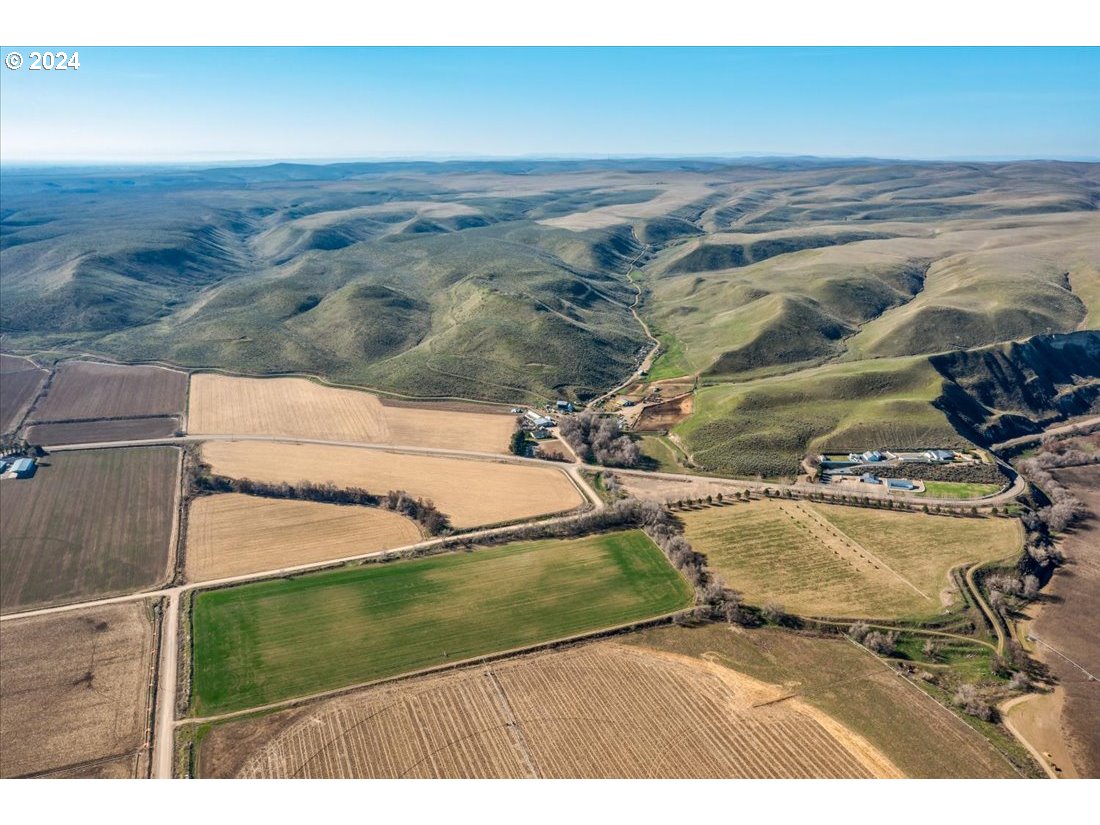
(958, 489)
(260, 643)
(87, 525)
(843, 561)
(662, 453)
(672, 362)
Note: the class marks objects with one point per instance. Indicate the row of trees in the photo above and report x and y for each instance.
(1064, 509)
(599, 438)
(422, 511)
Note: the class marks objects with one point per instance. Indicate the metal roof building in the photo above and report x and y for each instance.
(23, 467)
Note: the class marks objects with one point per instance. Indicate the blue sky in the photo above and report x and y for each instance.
(206, 105)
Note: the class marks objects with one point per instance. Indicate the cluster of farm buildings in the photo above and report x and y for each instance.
(860, 467)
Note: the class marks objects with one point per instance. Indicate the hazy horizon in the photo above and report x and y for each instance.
(142, 106)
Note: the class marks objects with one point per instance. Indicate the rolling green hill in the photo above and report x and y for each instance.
(508, 280)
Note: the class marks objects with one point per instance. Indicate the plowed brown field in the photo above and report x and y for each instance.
(602, 710)
(74, 690)
(297, 407)
(470, 492)
(20, 380)
(83, 390)
(88, 524)
(86, 432)
(229, 535)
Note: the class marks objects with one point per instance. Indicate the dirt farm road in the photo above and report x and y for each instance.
(1008, 494)
(165, 723)
(1011, 492)
(163, 745)
(164, 726)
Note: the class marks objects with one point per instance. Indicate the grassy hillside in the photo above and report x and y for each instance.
(765, 427)
(508, 280)
(901, 289)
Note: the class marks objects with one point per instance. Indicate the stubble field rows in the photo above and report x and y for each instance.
(232, 534)
(843, 561)
(601, 710)
(75, 690)
(297, 407)
(471, 493)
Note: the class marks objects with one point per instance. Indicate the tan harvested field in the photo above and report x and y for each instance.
(470, 492)
(601, 710)
(86, 432)
(858, 690)
(1037, 718)
(75, 689)
(689, 189)
(20, 381)
(843, 561)
(300, 408)
(84, 390)
(667, 414)
(232, 534)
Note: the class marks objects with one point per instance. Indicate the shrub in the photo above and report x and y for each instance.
(883, 644)
(970, 700)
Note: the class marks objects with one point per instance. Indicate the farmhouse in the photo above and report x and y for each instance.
(937, 456)
(538, 421)
(869, 457)
(564, 406)
(891, 483)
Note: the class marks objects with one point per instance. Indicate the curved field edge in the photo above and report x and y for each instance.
(833, 560)
(550, 714)
(920, 736)
(262, 643)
